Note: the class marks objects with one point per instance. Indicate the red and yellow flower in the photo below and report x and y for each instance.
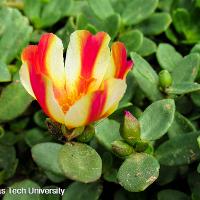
(87, 87)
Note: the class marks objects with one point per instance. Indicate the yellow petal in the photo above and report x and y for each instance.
(87, 59)
(25, 79)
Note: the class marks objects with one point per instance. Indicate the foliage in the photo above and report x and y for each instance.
(162, 162)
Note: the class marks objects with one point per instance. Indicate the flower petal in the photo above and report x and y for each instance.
(87, 59)
(120, 65)
(50, 58)
(25, 73)
(96, 105)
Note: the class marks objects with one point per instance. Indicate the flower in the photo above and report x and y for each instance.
(87, 88)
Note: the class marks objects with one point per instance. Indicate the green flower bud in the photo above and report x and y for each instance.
(165, 79)
(75, 133)
(87, 134)
(130, 128)
(121, 148)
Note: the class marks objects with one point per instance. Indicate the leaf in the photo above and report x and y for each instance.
(7, 162)
(132, 39)
(183, 88)
(138, 172)
(27, 185)
(148, 47)
(167, 56)
(14, 35)
(80, 162)
(186, 69)
(35, 136)
(194, 185)
(180, 126)
(172, 194)
(107, 131)
(45, 14)
(167, 174)
(195, 96)
(146, 77)
(181, 20)
(156, 119)
(138, 10)
(46, 156)
(40, 118)
(179, 150)
(111, 25)
(155, 24)
(91, 191)
(51, 196)
(101, 8)
(14, 100)
(5, 75)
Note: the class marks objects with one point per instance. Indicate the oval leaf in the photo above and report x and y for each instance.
(80, 162)
(81, 191)
(156, 119)
(46, 156)
(180, 150)
(138, 172)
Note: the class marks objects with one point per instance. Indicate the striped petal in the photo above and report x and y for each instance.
(96, 105)
(25, 77)
(39, 70)
(120, 66)
(87, 59)
(50, 58)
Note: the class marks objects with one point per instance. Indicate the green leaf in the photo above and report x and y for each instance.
(35, 136)
(14, 100)
(138, 172)
(146, 77)
(91, 191)
(155, 24)
(101, 8)
(46, 156)
(14, 35)
(5, 75)
(195, 96)
(107, 131)
(172, 194)
(26, 185)
(194, 185)
(196, 48)
(180, 126)
(167, 174)
(55, 178)
(132, 39)
(181, 20)
(148, 47)
(7, 162)
(112, 24)
(183, 88)
(138, 10)
(40, 118)
(167, 56)
(80, 162)
(165, 5)
(45, 14)
(156, 119)
(51, 196)
(179, 150)
(186, 69)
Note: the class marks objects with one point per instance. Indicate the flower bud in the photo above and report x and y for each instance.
(165, 79)
(87, 134)
(121, 148)
(130, 128)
